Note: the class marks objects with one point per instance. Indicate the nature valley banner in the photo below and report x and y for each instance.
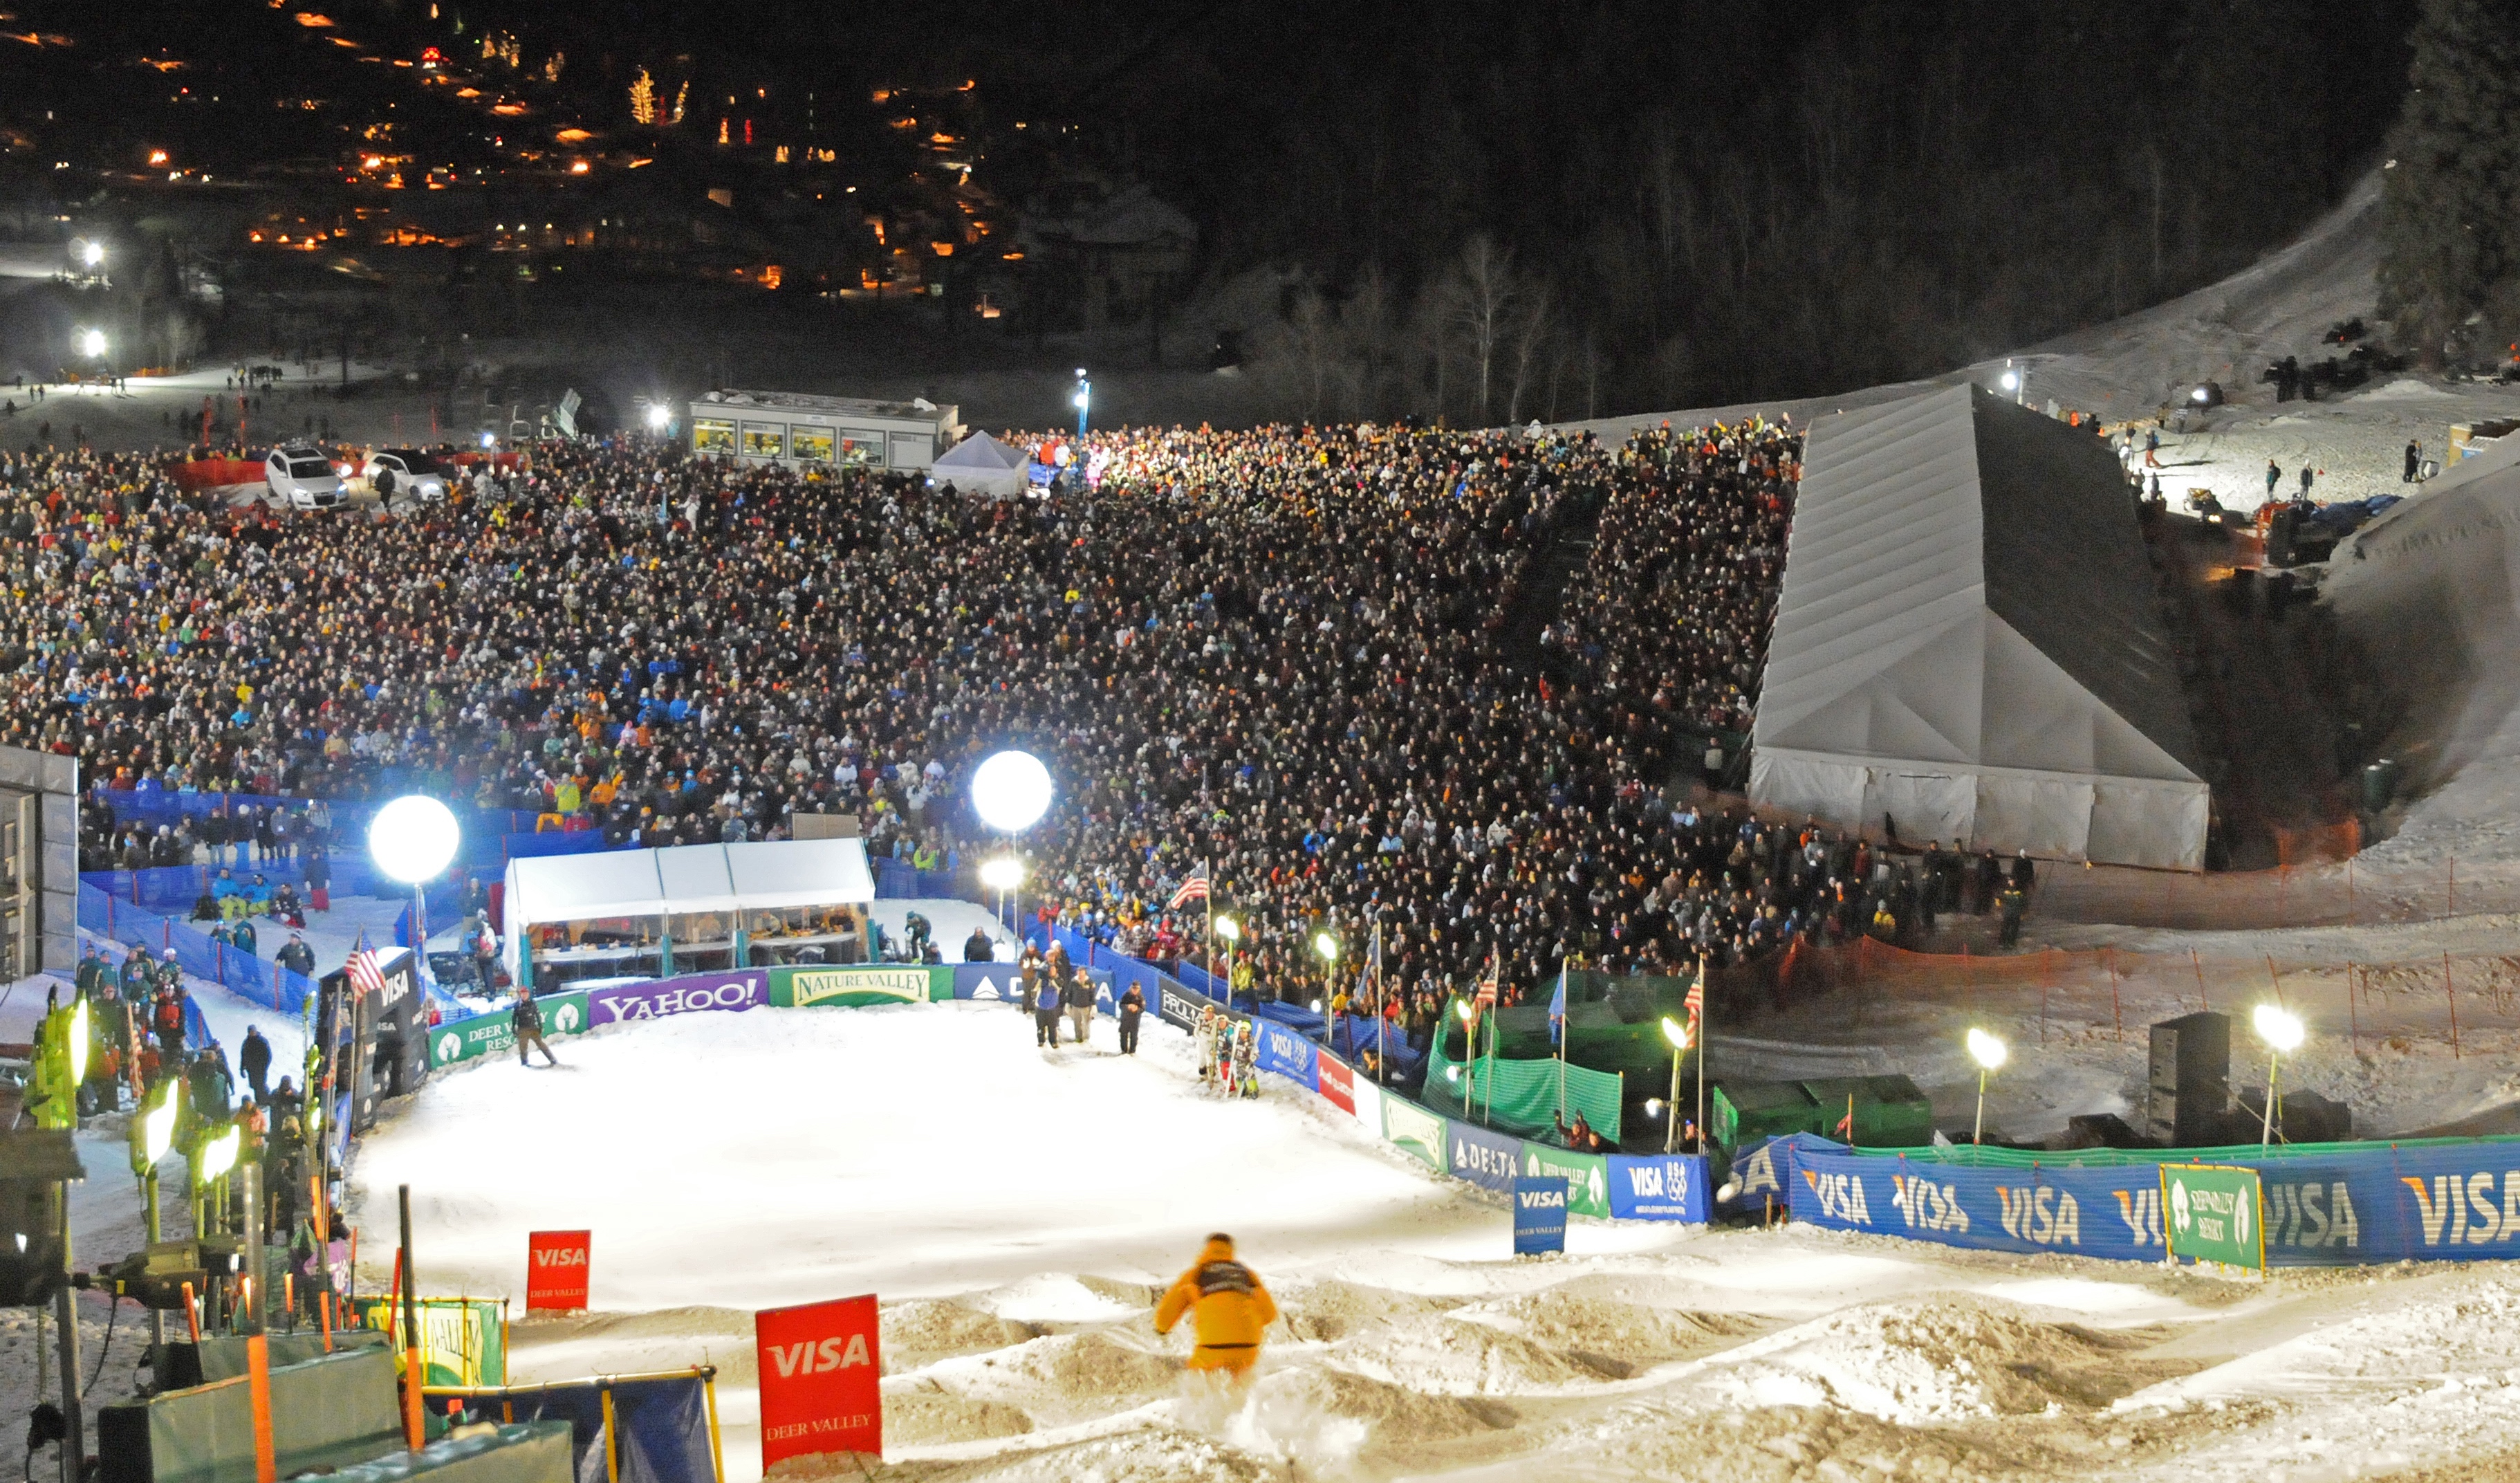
(855, 985)
(1414, 1131)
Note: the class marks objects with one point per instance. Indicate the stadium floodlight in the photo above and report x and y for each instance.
(1677, 1034)
(1467, 1009)
(158, 1128)
(413, 838)
(658, 416)
(1653, 1106)
(1229, 929)
(1326, 945)
(2282, 1030)
(219, 1156)
(92, 253)
(91, 344)
(1011, 792)
(1989, 1054)
(78, 1045)
(2200, 396)
(1003, 874)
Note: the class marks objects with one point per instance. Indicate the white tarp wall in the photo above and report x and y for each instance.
(688, 878)
(981, 464)
(1966, 646)
(2431, 588)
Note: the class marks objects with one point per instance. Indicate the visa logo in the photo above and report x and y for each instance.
(807, 1357)
(1541, 1199)
(573, 1256)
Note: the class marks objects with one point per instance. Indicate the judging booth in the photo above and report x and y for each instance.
(693, 908)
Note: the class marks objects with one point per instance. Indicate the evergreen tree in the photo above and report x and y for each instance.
(2449, 246)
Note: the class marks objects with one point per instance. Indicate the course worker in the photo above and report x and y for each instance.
(1229, 1310)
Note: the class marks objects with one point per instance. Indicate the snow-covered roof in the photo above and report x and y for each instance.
(689, 877)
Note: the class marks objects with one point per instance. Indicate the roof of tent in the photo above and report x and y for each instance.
(983, 452)
(690, 877)
(1965, 586)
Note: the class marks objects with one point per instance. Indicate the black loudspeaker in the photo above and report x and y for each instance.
(2189, 1085)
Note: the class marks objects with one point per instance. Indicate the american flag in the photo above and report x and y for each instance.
(1486, 997)
(365, 976)
(1696, 1000)
(1193, 889)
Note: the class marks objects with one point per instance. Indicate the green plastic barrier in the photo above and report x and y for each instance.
(1587, 1175)
(1524, 1094)
(524, 1452)
(1414, 1131)
(858, 984)
(495, 1033)
(326, 1412)
(221, 1358)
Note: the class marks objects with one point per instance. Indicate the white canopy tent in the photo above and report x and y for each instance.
(1966, 646)
(2432, 587)
(981, 464)
(682, 879)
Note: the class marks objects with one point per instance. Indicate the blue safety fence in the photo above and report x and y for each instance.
(196, 952)
(2322, 1204)
(900, 881)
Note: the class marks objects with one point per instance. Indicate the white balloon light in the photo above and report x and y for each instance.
(1012, 791)
(413, 838)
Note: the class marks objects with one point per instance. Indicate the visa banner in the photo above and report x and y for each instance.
(1662, 1187)
(821, 1373)
(1290, 1054)
(557, 1271)
(1539, 1216)
(2337, 1205)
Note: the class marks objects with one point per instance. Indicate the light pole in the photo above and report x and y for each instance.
(1989, 1054)
(153, 1133)
(1677, 1034)
(412, 839)
(1010, 791)
(1003, 875)
(1081, 400)
(2283, 1032)
(1231, 931)
(1329, 947)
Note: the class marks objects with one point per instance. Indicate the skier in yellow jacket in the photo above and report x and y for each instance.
(1228, 1308)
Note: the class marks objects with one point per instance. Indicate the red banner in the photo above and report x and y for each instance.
(1336, 1087)
(556, 1269)
(821, 1370)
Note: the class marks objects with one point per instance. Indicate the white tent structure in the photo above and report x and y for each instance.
(1967, 644)
(2432, 587)
(981, 464)
(660, 884)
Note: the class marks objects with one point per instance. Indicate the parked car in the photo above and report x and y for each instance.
(302, 477)
(405, 474)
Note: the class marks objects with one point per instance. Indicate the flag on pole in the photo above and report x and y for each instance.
(365, 976)
(1696, 1000)
(1486, 997)
(1846, 1124)
(1557, 1008)
(1193, 889)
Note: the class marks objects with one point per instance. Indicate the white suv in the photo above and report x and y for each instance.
(405, 474)
(302, 478)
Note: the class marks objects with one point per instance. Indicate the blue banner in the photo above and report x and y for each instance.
(1485, 1157)
(1539, 1216)
(1664, 1187)
(1289, 1053)
(2337, 1205)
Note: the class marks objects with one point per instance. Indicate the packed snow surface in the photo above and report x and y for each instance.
(1020, 1210)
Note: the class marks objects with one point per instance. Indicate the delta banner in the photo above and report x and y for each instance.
(859, 984)
(1665, 1186)
(495, 1033)
(1539, 1216)
(1585, 1176)
(821, 1372)
(1482, 1156)
(1414, 1131)
(2214, 1214)
(2323, 1205)
(659, 998)
(1288, 1054)
(557, 1271)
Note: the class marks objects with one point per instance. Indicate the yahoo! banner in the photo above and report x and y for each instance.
(2336, 1204)
(657, 998)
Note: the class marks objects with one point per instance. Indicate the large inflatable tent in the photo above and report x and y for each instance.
(622, 912)
(981, 464)
(2430, 588)
(1967, 645)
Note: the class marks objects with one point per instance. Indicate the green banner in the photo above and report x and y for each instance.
(463, 1341)
(2213, 1214)
(853, 985)
(1414, 1131)
(1587, 1175)
(1525, 1094)
(495, 1033)
(1726, 1117)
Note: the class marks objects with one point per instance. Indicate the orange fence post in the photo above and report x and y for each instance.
(2047, 971)
(2451, 990)
(2353, 1012)
(2277, 981)
(258, 1359)
(2117, 1011)
(2348, 890)
(2199, 965)
(2454, 886)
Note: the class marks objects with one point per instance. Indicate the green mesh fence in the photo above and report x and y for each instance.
(1522, 1096)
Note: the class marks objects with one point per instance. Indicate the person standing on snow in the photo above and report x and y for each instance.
(254, 1058)
(1044, 1011)
(1080, 998)
(1246, 1054)
(527, 1018)
(1203, 1037)
(1133, 1008)
(1229, 1311)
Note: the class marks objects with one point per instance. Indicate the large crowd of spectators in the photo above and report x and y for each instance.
(1275, 655)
